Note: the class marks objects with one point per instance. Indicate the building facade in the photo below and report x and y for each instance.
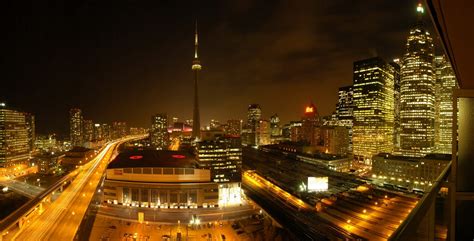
(309, 124)
(417, 94)
(223, 156)
(249, 131)
(373, 108)
(446, 83)
(409, 172)
(14, 141)
(76, 127)
(159, 179)
(159, 131)
(345, 110)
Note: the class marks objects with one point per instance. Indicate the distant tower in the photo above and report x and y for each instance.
(196, 68)
(76, 127)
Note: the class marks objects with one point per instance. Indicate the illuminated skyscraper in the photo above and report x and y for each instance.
(249, 132)
(14, 148)
(345, 105)
(345, 110)
(196, 67)
(445, 84)
(159, 131)
(373, 108)
(417, 93)
(396, 107)
(75, 127)
(254, 114)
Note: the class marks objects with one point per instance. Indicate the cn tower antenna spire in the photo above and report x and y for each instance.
(196, 67)
(196, 41)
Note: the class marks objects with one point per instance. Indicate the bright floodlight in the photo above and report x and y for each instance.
(420, 8)
(317, 184)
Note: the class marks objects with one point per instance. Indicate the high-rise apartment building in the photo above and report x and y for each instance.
(75, 127)
(373, 108)
(445, 84)
(417, 93)
(159, 131)
(14, 145)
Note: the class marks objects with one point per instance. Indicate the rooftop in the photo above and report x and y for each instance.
(432, 156)
(153, 158)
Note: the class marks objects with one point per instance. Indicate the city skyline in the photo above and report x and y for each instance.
(242, 120)
(253, 78)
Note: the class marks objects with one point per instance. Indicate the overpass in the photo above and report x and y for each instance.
(23, 188)
(24, 223)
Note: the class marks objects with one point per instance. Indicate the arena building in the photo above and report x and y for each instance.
(159, 179)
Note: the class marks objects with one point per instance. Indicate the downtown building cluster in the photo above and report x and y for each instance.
(86, 133)
(402, 111)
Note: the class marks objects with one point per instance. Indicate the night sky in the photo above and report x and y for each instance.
(126, 60)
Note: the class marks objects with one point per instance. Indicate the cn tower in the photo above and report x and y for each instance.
(196, 68)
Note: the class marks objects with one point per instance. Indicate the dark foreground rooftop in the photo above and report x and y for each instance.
(153, 158)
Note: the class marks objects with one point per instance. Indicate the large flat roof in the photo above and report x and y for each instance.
(153, 158)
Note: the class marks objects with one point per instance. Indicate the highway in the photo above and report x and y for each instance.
(62, 218)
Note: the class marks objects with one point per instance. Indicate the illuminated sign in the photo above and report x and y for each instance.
(309, 109)
(317, 184)
(135, 157)
(178, 156)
